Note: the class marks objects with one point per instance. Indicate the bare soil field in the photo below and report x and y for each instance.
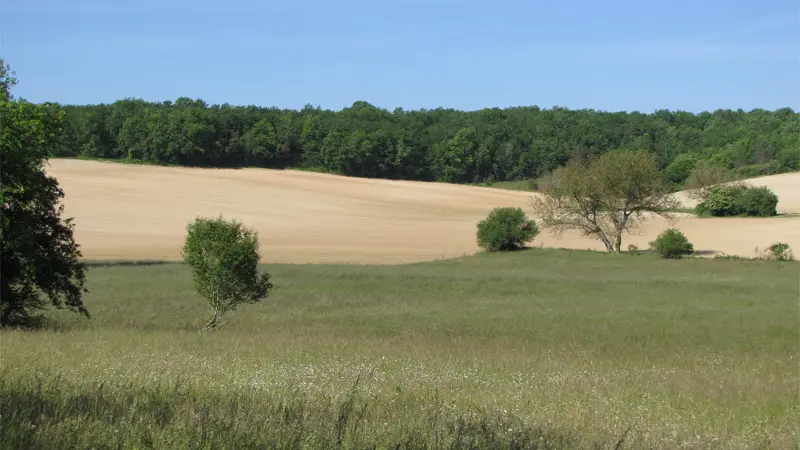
(141, 212)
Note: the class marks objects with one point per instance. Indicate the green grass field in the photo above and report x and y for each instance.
(536, 349)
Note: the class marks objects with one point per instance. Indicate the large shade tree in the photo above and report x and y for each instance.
(39, 259)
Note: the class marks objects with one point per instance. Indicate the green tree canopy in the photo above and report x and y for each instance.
(38, 255)
(223, 256)
(441, 144)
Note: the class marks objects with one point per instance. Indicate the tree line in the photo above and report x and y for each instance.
(483, 146)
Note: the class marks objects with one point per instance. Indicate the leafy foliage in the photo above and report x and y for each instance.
(759, 201)
(223, 256)
(672, 244)
(604, 198)
(485, 146)
(781, 251)
(680, 168)
(38, 253)
(7, 81)
(739, 200)
(505, 229)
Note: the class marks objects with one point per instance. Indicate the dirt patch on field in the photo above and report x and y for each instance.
(141, 212)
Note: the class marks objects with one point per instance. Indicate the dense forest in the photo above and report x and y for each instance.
(482, 146)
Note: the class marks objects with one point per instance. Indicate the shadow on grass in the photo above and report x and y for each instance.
(704, 253)
(130, 263)
(651, 252)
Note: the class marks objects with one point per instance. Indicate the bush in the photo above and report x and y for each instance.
(223, 256)
(781, 252)
(506, 229)
(720, 201)
(739, 200)
(759, 202)
(672, 244)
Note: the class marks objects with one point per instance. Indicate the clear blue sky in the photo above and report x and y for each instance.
(610, 55)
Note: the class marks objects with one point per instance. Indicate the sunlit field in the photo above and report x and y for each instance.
(125, 211)
(535, 349)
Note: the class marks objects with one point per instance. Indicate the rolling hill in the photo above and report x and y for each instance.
(141, 212)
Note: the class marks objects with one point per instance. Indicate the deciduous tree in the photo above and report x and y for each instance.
(223, 256)
(38, 254)
(603, 198)
(441, 144)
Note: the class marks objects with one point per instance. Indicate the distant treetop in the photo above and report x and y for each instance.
(484, 146)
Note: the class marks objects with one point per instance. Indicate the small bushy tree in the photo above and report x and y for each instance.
(506, 229)
(672, 244)
(223, 256)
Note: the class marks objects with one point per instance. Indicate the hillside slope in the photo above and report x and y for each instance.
(141, 212)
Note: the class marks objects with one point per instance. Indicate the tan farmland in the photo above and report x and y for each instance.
(141, 212)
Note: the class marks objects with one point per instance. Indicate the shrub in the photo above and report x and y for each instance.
(721, 201)
(505, 229)
(672, 244)
(739, 200)
(781, 252)
(759, 202)
(223, 256)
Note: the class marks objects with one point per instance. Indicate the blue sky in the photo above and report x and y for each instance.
(613, 55)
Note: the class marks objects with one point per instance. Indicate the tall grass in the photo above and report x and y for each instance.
(539, 349)
(48, 412)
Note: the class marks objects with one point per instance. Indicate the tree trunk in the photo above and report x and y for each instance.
(213, 322)
(620, 230)
(607, 243)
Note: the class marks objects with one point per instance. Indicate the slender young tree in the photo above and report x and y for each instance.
(223, 256)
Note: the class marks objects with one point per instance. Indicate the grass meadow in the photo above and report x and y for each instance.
(535, 349)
